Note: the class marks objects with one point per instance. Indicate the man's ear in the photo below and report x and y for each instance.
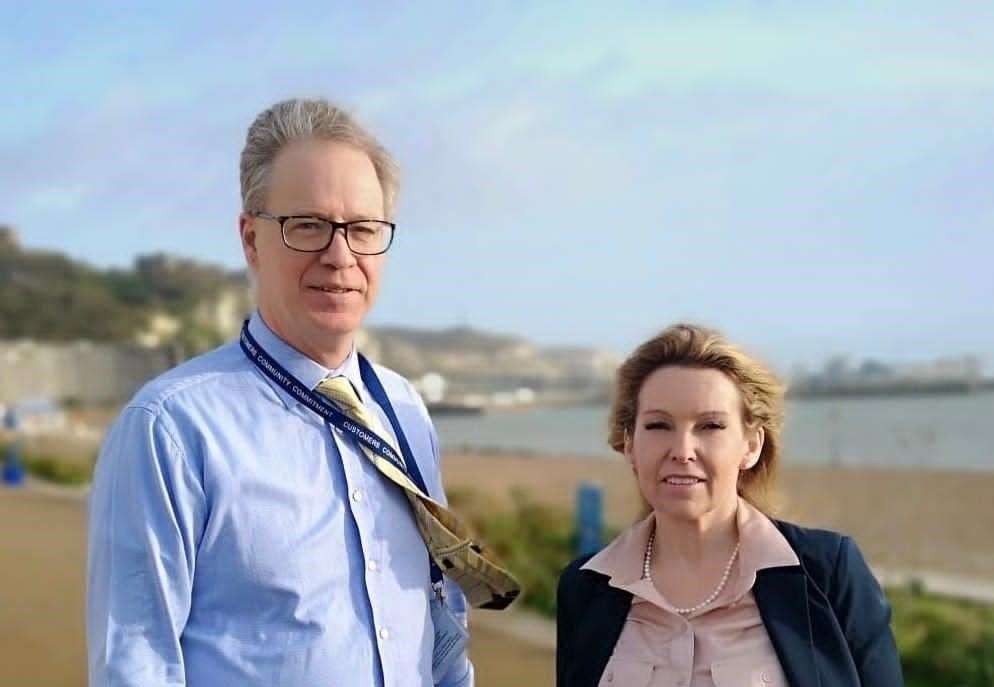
(755, 449)
(247, 233)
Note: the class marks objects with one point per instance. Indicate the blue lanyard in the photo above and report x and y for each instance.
(333, 416)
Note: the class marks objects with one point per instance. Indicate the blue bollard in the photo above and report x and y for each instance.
(589, 518)
(13, 469)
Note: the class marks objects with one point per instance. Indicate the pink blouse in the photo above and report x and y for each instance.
(723, 645)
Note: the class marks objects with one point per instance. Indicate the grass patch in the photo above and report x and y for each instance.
(72, 472)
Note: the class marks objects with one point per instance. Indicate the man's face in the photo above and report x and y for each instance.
(315, 301)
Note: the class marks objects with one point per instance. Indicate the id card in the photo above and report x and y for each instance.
(450, 639)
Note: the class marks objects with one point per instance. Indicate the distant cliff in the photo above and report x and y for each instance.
(183, 307)
(161, 300)
(473, 361)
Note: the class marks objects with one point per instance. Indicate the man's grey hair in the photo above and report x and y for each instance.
(299, 118)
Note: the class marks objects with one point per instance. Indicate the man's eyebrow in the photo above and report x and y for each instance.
(307, 213)
(703, 413)
(354, 217)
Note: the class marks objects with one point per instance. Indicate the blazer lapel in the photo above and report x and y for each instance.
(604, 619)
(782, 597)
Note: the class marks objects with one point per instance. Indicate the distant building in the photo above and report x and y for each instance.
(431, 387)
(967, 368)
(837, 369)
(872, 370)
(36, 416)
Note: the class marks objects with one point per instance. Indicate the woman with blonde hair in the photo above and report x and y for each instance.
(708, 590)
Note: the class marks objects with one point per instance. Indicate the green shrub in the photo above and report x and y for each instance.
(52, 469)
(534, 541)
(58, 471)
(943, 641)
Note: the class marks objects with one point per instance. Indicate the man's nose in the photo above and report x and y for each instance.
(338, 254)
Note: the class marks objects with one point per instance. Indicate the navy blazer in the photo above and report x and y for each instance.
(827, 618)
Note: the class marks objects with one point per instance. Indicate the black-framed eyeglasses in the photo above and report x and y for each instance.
(314, 234)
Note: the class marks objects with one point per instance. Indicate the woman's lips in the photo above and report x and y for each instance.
(682, 480)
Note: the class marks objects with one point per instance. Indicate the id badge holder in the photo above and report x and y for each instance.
(450, 638)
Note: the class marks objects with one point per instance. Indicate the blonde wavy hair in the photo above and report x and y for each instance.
(688, 345)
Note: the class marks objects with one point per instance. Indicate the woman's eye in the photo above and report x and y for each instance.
(713, 426)
(656, 425)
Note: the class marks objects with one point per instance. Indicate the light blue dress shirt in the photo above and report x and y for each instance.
(234, 539)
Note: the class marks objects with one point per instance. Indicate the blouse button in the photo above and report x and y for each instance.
(766, 678)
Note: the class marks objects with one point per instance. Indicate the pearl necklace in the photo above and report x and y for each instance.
(647, 574)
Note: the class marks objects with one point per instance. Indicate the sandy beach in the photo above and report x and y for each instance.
(904, 519)
(936, 521)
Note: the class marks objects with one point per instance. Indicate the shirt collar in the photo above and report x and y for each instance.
(309, 372)
(621, 560)
(761, 546)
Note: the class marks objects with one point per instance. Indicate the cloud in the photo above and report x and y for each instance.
(58, 199)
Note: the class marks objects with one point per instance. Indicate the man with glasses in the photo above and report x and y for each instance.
(239, 534)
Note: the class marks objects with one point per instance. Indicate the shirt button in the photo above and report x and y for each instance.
(766, 677)
(357, 496)
(384, 633)
(371, 565)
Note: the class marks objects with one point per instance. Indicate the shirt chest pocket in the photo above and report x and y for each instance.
(626, 674)
(637, 674)
(741, 673)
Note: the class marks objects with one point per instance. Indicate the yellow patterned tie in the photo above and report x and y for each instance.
(486, 583)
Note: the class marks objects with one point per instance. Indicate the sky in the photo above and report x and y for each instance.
(811, 178)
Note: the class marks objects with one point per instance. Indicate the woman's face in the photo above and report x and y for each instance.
(690, 442)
